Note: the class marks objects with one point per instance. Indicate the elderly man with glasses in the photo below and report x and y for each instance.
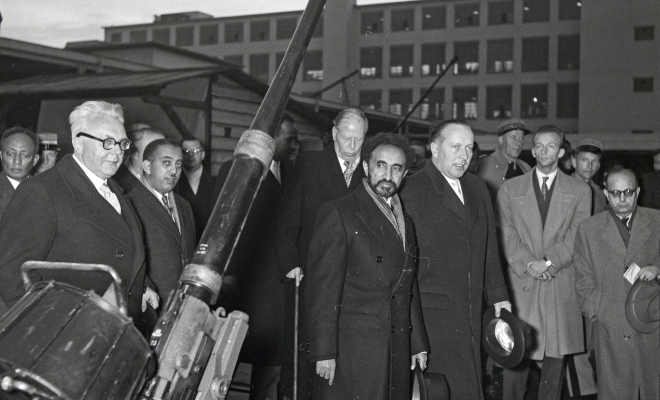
(76, 212)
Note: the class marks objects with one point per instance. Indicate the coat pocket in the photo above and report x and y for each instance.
(434, 300)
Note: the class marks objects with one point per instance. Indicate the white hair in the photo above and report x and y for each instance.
(81, 116)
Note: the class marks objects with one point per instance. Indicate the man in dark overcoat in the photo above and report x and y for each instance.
(76, 212)
(458, 257)
(364, 314)
(167, 219)
(196, 185)
(318, 177)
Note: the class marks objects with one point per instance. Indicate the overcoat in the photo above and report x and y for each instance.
(363, 303)
(492, 169)
(6, 192)
(626, 360)
(202, 202)
(650, 194)
(458, 260)
(168, 250)
(551, 308)
(59, 215)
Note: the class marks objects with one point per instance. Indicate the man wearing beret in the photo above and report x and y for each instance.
(504, 164)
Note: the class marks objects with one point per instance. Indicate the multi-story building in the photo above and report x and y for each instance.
(583, 66)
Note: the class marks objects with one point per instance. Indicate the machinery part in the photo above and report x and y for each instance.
(60, 341)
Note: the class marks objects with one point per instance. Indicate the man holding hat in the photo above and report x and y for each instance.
(586, 162)
(612, 250)
(504, 164)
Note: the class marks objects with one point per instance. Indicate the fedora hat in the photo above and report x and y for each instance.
(505, 338)
(642, 305)
(429, 386)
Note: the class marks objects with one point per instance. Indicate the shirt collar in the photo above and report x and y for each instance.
(13, 182)
(551, 176)
(342, 161)
(96, 180)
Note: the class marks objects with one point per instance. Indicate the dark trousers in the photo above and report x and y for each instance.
(552, 375)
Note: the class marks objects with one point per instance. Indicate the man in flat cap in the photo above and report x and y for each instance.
(504, 164)
(586, 161)
(48, 150)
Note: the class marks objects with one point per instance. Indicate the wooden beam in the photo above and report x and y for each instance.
(175, 102)
(176, 121)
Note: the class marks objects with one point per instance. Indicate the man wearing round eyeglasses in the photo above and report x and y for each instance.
(75, 212)
(196, 185)
(611, 250)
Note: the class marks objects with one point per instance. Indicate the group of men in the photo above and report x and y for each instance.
(392, 269)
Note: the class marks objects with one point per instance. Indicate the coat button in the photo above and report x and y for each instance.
(393, 296)
(626, 337)
(130, 292)
(379, 259)
(525, 289)
(120, 255)
(393, 329)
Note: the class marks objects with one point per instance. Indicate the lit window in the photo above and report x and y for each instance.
(433, 105)
(500, 56)
(401, 61)
(400, 101)
(534, 101)
(465, 103)
(468, 58)
(370, 100)
(403, 20)
(371, 62)
(313, 66)
(466, 15)
(433, 59)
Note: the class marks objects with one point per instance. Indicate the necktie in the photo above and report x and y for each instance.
(512, 171)
(110, 197)
(348, 173)
(168, 207)
(625, 222)
(457, 189)
(544, 187)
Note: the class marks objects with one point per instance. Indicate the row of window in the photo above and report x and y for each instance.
(499, 54)
(533, 102)
(209, 33)
(259, 67)
(467, 15)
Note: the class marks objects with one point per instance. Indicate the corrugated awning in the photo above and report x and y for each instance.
(100, 85)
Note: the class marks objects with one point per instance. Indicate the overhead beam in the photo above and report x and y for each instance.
(176, 102)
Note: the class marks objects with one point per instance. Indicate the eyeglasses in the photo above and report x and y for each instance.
(109, 143)
(192, 151)
(626, 193)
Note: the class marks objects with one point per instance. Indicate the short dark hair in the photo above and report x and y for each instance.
(620, 169)
(152, 148)
(14, 131)
(387, 138)
(551, 129)
(440, 129)
(587, 148)
(191, 139)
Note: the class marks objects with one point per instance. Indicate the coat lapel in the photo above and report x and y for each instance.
(443, 189)
(471, 197)
(331, 176)
(530, 212)
(639, 234)
(612, 237)
(556, 211)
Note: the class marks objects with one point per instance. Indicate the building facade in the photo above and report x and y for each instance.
(587, 67)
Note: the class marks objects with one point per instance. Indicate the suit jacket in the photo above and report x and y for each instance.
(59, 215)
(168, 251)
(364, 308)
(550, 307)
(125, 178)
(201, 203)
(626, 360)
(650, 193)
(254, 263)
(492, 169)
(6, 192)
(458, 261)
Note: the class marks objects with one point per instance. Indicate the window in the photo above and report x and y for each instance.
(433, 58)
(237, 59)
(184, 36)
(279, 57)
(234, 32)
(115, 37)
(568, 52)
(642, 84)
(137, 36)
(536, 10)
(371, 62)
(161, 35)
(535, 54)
(433, 105)
(468, 58)
(498, 102)
(372, 22)
(534, 101)
(208, 34)
(644, 33)
(403, 20)
(434, 17)
(465, 103)
(318, 29)
(259, 66)
(313, 65)
(466, 15)
(259, 31)
(400, 101)
(401, 61)
(500, 56)
(285, 27)
(568, 100)
(500, 12)
(370, 100)
(569, 9)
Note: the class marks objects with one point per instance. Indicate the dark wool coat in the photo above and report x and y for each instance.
(363, 303)
(168, 251)
(201, 203)
(458, 259)
(59, 215)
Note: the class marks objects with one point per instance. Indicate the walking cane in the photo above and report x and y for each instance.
(295, 342)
